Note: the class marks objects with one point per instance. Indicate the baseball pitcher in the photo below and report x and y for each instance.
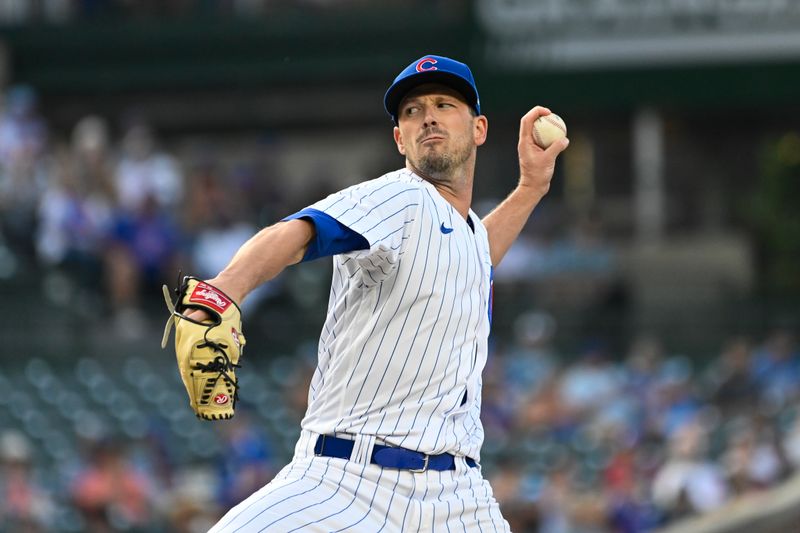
(392, 436)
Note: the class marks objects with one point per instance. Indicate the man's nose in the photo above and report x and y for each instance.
(430, 117)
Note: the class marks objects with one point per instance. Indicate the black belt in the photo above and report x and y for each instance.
(389, 456)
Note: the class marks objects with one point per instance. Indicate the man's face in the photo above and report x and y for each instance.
(437, 131)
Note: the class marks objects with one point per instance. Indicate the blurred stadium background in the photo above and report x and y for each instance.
(644, 372)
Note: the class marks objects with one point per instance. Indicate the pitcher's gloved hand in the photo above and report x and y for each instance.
(207, 351)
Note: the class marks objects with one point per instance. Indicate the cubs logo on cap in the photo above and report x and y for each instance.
(432, 69)
(425, 64)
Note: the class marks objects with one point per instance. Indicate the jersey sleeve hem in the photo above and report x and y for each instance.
(332, 237)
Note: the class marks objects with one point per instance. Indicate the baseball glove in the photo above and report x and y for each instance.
(208, 351)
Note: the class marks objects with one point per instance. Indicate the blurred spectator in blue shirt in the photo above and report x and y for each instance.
(776, 368)
(677, 403)
(733, 387)
(145, 243)
(591, 383)
(142, 252)
(76, 209)
(248, 463)
(629, 507)
(531, 360)
(23, 166)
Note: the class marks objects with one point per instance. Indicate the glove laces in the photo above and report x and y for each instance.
(221, 364)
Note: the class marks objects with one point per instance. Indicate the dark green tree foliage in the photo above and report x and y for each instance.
(775, 212)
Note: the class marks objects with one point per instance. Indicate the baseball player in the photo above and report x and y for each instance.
(392, 436)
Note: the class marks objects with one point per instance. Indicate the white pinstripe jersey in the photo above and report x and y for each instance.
(405, 338)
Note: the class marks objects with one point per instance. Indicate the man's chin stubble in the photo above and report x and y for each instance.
(436, 166)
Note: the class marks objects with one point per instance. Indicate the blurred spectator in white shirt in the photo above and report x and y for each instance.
(143, 171)
(689, 482)
(24, 504)
(751, 461)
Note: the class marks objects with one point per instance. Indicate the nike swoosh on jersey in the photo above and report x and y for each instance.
(445, 229)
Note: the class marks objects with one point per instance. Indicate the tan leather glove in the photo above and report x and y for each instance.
(208, 351)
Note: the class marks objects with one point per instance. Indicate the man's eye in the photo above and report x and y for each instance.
(410, 110)
(446, 104)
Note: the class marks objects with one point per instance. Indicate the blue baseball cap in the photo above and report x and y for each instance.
(432, 69)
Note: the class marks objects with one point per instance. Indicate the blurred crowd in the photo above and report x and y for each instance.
(109, 210)
(59, 11)
(14, 12)
(114, 218)
(594, 442)
(600, 440)
(627, 442)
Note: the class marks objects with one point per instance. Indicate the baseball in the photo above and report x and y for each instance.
(548, 129)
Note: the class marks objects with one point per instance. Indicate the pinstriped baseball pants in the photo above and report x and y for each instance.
(324, 494)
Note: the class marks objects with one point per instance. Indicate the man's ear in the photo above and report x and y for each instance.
(398, 139)
(481, 129)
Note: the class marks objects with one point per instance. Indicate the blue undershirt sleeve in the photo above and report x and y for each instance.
(332, 237)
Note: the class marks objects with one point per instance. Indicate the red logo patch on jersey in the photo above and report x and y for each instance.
(426, 63)
(221, 399)
(207, 295)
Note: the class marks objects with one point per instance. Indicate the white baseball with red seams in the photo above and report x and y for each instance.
(548, 129)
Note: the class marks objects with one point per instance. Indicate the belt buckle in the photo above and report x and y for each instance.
(424, 466)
